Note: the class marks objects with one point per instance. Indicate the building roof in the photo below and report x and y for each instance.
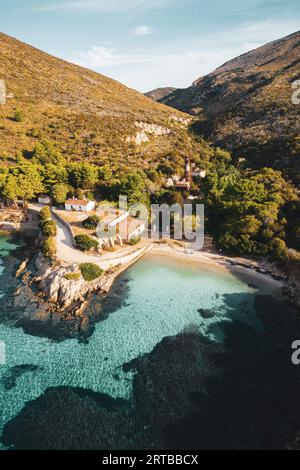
(182, 184)
(78, 202)
(111, 215)
(129, 226)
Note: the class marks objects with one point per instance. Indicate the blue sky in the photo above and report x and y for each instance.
(149, 43)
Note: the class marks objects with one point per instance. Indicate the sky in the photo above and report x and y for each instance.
(147, 44)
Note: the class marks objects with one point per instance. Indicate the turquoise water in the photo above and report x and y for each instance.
(5, 248)
(162, 299)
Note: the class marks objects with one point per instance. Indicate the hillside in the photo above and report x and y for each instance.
(160, 93)
(87, 115)
(246, 105)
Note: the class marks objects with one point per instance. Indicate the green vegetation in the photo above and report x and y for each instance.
(60, 192)
(246, 105)
(22, 181)
(72, 276)
(87, 116)
(49, 248)
(44, 215)
(90, 271)
(74, 140)
(49, 228)
(18, 117)
(85, 243)
(91, 222)
(246, 211)
(134, 241)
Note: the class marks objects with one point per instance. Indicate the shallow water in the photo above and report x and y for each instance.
(162, 298)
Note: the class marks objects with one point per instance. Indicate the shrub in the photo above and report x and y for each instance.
(91, 222)
(279, 249)
(72, 276)
(44, 215)
(18, 117)
(90, 271)
(49, 228)
(134, 241)
(85, 243)
(49, 247)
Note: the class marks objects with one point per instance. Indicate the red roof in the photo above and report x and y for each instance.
(182, 184)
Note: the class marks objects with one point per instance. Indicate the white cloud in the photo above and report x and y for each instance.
(180, 63)
(142, 30)
(103, 5)
(103, 57)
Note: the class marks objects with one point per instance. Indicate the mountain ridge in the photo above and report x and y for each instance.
(86, 114)
(245, 105)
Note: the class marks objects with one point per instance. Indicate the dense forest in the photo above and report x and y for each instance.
(249, 212)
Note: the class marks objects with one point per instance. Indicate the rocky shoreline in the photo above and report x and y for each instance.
(50, 304)
(288, 276)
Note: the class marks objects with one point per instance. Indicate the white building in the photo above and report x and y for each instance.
(169, 183)
(198, 173)
(132, 228)
(80, 205)
(44, 199)
(121, 223)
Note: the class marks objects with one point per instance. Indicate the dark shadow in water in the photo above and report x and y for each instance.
(188, 393)
(9, 380)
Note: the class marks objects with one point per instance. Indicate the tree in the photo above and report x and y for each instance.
(133, 186)
(84, 176)
(105, 173)
(244, 213)
(49, 228)
(49, 247)
(45, 152)
(44, 215)
(279, 249)
(85, 243)
(60, 193)
(91, 222)
(53, 174)
(10, 189)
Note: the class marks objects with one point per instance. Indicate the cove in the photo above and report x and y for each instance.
(161, 298)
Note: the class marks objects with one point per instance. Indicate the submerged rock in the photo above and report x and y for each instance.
(10, 379)
(205, 313)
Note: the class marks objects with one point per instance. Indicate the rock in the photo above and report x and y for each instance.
(252, 286)
(206, 313)
(152, 129)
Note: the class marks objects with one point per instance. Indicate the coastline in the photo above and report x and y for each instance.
(64, 304)
(258, 269)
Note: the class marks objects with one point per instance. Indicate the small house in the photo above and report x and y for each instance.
(185, 185)
(198, 173)
(80, 205)
(131, 228)
(44, 199)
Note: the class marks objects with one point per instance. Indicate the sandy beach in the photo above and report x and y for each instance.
(259, 271)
